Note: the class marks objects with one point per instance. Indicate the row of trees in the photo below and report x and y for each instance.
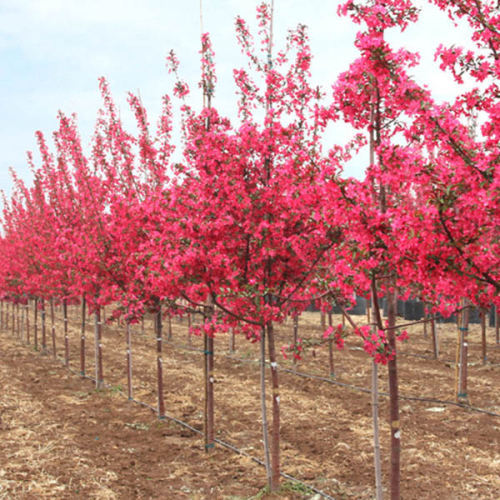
(256, 219)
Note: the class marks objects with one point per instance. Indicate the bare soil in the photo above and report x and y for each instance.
(61, 438)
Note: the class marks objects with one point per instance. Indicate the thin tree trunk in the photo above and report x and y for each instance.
(35, 306)
(209, 392)
(44, 332)
(13, 312)
(28, 339)
(18, 330)
(159, 363)
(295, 334)
(82, 339)
(375, 398)
(434, 335)
(232, 341)
(331, 366)
(53, 326)
(463, 331)
(394, 399)
(426, 317)
(482, 313)
(263, 408)
(275, 436)
(21, 321)
(98, 349)
(169, 319)
(1, 315)
(376, 436)
(66, 338)
(497, 325)
(129, 363)
(18, 319)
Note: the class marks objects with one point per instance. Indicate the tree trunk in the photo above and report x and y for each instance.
(66, 338)
(53, 326)
(18, 319)
(376, 436)
(275, 436)
(209, 392)
(99, 378)
(13, 319)
(497, 325)
(159, 364)
(434, 336)
(82, 340)
(129, 363)
(232, 341)
(44, 332)
(265, 430)
(331, 367)
(426, 318)
(482, 313)
(375, 398)
(295, 334)
(169, 319)
(394, 399)
(35, 305)
(462, 351)
(28, 339)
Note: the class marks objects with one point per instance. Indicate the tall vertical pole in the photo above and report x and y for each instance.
(159, 363)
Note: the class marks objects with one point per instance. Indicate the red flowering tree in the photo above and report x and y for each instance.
(252, 223)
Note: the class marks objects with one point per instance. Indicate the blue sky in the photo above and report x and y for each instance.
(53, 51)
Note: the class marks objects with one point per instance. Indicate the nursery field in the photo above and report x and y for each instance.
(60, 438)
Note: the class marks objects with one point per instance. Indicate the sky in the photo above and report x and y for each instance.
(53, 51)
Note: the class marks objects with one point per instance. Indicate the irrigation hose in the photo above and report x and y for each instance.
(350, 386)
